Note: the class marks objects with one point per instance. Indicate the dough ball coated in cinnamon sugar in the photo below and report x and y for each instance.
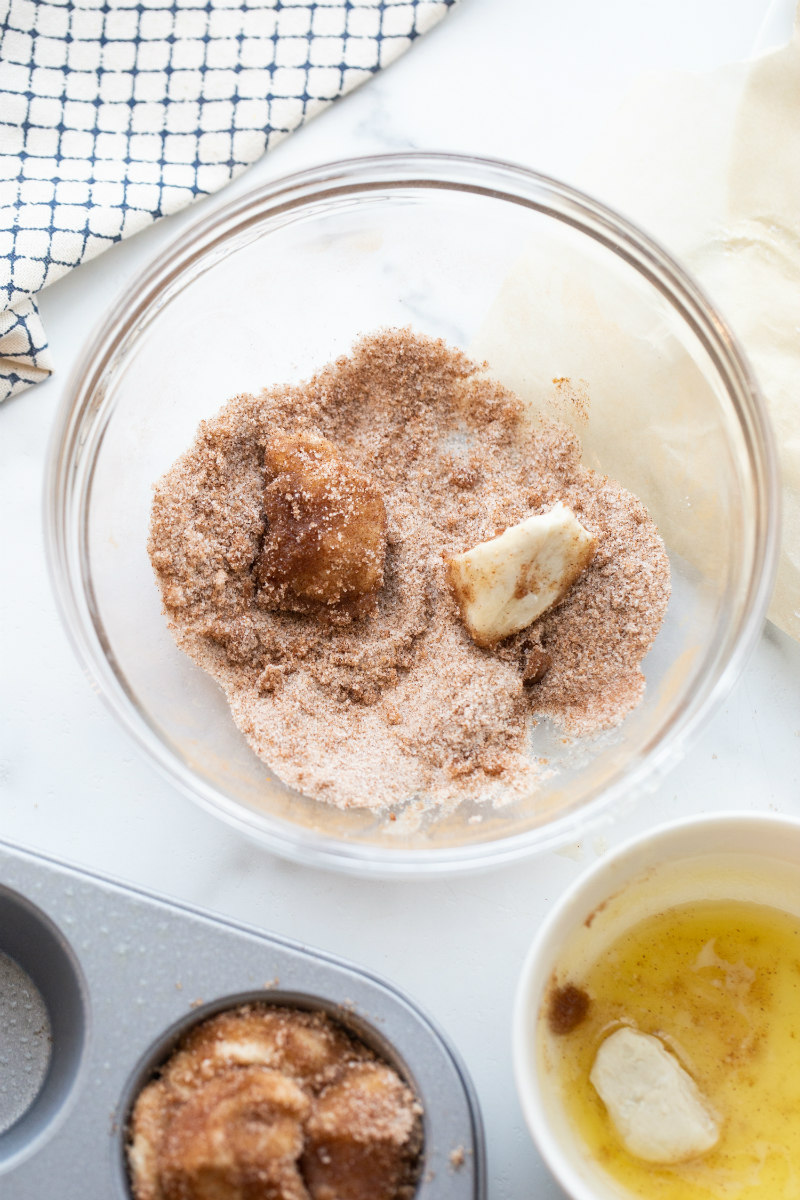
(238, 1137)
(305, 1045)
(152, 1114)
(325, 541)
(362, 1137)
(271, 1103)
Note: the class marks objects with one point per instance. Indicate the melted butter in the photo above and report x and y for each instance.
(719, 982)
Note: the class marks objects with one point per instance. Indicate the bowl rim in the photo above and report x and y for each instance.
(82, 402)
(535, 970)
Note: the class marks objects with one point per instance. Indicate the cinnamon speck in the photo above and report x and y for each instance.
(536, 662)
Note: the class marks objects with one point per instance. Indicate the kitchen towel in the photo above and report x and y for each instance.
(114, 113)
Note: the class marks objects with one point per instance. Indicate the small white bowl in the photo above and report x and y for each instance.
(752, 857)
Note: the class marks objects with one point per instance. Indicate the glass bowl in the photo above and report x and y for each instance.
(546, 285)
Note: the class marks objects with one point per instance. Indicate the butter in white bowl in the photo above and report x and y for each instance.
(677, 1076)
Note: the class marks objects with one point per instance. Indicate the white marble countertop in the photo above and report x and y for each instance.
(531, 82)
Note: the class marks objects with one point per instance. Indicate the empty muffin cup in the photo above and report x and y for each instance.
(42, 1024)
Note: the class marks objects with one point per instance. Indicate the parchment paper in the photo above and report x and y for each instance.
(709, 165)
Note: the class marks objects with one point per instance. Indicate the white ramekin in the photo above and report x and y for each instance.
(743, 856)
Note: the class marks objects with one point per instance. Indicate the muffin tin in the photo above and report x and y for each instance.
(121, 975)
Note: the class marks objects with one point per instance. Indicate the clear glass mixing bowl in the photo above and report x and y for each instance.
(545, 284)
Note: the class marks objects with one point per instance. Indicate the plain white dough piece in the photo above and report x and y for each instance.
(506, 583)
(656, 1107)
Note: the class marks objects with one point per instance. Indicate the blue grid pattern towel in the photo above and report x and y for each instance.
(114, 113)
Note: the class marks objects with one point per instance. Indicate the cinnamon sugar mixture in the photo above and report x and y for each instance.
(372, 701)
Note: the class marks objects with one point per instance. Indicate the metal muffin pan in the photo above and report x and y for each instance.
(122, 975)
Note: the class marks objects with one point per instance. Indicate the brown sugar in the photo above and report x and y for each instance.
(276, 1102)
(374, 693)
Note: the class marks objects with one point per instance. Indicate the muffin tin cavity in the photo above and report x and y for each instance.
(24, 1042)
(42, 1023)
(254, 1023)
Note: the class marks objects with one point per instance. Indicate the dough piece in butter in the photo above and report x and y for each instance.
(655, 1106)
